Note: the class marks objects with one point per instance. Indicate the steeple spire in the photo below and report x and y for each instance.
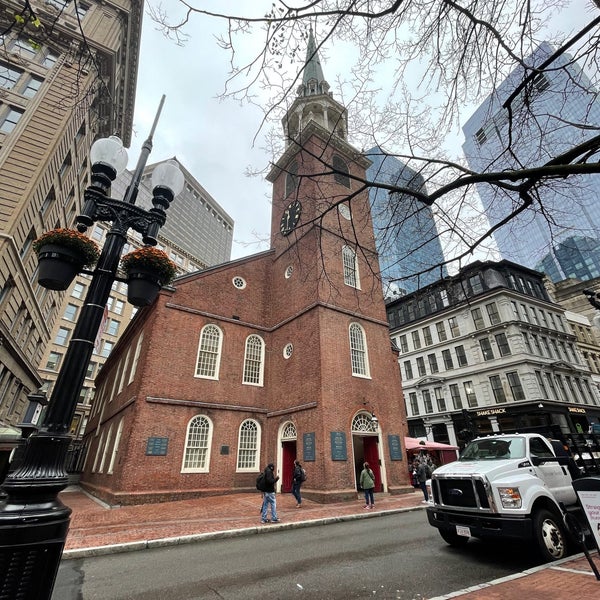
(314, 101)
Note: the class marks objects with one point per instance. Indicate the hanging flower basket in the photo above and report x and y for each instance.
(62, 253)
(147, 269)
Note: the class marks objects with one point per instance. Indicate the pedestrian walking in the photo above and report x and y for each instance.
(298, 478)
(269, 499)
(367, 483)
(423, 474)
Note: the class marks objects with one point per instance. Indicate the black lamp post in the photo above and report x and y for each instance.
(33, 521)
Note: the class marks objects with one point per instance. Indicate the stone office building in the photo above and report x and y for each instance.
(487, 350)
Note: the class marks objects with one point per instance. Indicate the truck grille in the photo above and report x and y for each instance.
(463, 493)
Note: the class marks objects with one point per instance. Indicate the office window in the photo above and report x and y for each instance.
(53, 362)
(455, 395)
(70, 313)
(470, 394)
(427, 401)
(32, 86)
(461, 356)
(454, 328)
(421, 366)
(112, 327)
(78, 290)
(416, 339)
(427, 336)
(403, 342)
(502, 343)
(408, 372)
(358, 351)
(527, 342)
(433, 365)
(9, 76)
(439, 399)
(448, 364)
(515, 385)
(10, 119)
(107, 348)
(486, 349)
(477, 318)
(493, 314)
(62, 336)
(441, 331)
(497, 389)
(414, 404)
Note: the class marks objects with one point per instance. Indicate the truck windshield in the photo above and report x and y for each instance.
(494, 449)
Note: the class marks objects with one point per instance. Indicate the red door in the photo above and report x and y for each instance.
(287, 469)
(371, 451)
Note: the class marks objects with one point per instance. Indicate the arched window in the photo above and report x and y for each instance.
(196, 456)
(105, 451)
(358, 351)
(351, 276)
(291, 179)
(248, 446)
(364, 423)
(209, 352)
(115, 449)
(254, 360)
(341, 171)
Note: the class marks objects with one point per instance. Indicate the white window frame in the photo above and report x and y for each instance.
(359, 354)
(249, 438)
(350, 267)
(205, 443)
(254, 361)
(209, 351)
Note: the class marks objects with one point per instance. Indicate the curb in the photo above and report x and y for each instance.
(228, 533)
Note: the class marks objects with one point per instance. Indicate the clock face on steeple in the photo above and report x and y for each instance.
(290, 217)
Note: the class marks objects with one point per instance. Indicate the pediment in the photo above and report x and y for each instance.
(429, 381)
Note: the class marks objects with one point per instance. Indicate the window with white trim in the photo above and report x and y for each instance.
(196, 456)
(209, 352)
(351, 276)
(248, 446)
(358, 351)
(254, 360)
(115, 449)
(136, 358)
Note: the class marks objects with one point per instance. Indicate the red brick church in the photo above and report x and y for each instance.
(281, 355)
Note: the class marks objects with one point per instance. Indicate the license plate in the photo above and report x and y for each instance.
(464, 531)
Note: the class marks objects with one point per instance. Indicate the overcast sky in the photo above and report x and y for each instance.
(216, 141)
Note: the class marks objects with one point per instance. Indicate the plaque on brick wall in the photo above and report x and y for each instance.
(395, 447)
(338, 445)
(157, 446)
(308, 447)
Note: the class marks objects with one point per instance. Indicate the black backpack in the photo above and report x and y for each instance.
(261, 482)
(302, 475)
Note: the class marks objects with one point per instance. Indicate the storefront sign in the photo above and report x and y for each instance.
(308, 447)
(338, 446)
(580, 411)
(490, 411)
(395, 447)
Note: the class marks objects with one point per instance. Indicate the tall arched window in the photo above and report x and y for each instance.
(196, 456)
(248, 446)
(209, 352)
(254, 360)
(341, 171)
(351, 276)
(136, 357)
(291, 179)
(115, 449)
(358, 351)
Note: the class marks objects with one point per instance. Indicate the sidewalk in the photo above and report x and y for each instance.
(99, 529)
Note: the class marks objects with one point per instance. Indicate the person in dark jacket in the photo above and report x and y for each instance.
(269, 498)
(297, 480)
(367, 483)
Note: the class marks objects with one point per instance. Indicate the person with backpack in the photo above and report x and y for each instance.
(269, 498)
(298, 478)
(423, 474)
(367, 483)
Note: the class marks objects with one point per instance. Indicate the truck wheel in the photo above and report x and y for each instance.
(550, 536)
(453, 538)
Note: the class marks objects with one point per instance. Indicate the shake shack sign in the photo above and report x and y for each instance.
(490, 412)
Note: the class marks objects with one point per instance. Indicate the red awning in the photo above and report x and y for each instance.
(415, 444)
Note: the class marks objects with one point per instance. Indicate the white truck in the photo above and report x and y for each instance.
(508, 486)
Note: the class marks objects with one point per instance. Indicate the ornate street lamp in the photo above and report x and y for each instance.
(33, 521)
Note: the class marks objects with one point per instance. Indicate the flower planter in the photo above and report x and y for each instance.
(57, 266)
(142, 286)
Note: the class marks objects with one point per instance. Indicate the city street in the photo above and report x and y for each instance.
(393, 557)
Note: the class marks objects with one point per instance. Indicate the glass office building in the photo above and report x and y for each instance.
(408, 243)
(557, 111)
